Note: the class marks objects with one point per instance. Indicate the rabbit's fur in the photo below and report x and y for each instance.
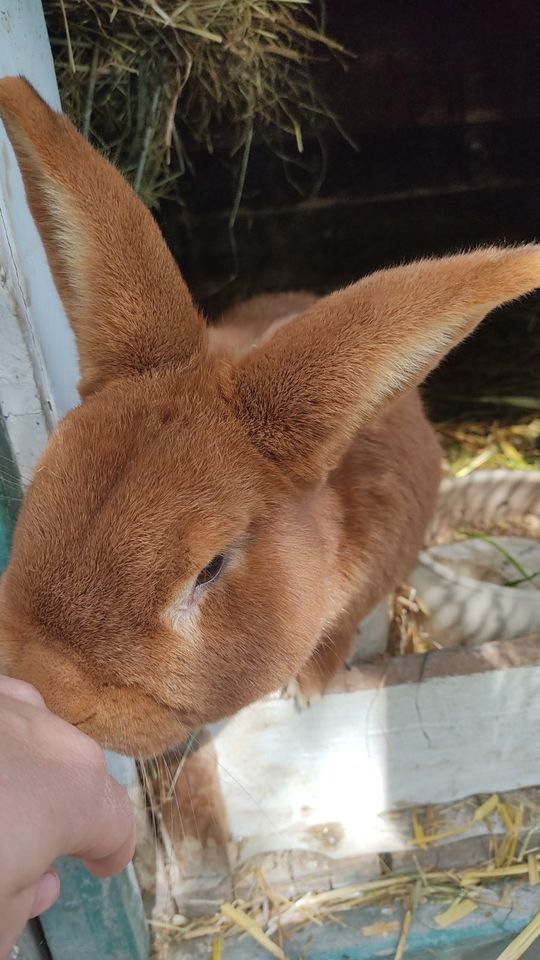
(291, 439)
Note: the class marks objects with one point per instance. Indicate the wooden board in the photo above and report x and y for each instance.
(416, 731)
(306, 795)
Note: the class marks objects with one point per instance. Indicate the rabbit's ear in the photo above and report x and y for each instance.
(304, 394)
(124, 296)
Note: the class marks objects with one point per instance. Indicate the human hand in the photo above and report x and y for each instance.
(56, 799)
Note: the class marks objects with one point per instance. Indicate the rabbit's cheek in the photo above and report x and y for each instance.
(181, 614)
(186, 629)
(129, 721)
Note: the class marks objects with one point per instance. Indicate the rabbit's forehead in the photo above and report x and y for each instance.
(123, 505)
(155, 449)
(108, 576)
(143, 483)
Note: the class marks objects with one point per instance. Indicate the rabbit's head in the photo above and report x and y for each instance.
(177, 553)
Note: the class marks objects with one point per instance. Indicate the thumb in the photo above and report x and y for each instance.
(109, 842)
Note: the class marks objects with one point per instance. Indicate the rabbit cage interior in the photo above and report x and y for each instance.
(399, 815)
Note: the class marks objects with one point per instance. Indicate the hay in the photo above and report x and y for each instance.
(521, 944)
(269, 915)
(128, 70)
(489, 445)
(408, 620)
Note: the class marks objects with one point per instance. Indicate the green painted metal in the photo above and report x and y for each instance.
(94, 919)
(31, 944)
(10, 495)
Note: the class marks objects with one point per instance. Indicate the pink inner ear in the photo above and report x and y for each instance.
(275, 326)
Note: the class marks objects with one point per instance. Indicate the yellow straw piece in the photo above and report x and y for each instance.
(216, 950)
(394, 880)
(477, 461)
(249, 926)
(506, 817)
(523, 941)
(381, 929)
(402, 942)
(534, 872)
(419, 835)
(456, 912)
(516, 827)
(472, 876)
(525, 843)
(509, 450)
(430, 838)
(487, 808)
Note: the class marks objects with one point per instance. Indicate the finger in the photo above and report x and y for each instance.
(109, 843)
(115, 862)
(47, 893)
(21, 690)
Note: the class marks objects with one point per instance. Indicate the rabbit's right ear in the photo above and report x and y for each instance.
(124, 296)
(304, 394)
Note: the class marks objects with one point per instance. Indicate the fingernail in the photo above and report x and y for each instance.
(47, 892)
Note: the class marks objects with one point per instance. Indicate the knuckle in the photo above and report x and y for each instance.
(92, 755)
(20, 690)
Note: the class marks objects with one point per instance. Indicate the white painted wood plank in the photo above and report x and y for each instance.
(37, 366)
(21, 402)
(25, 49)
(321, 779)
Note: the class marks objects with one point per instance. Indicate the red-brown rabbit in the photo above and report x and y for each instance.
(224, 505)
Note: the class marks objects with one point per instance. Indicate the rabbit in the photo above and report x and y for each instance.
(224, 505)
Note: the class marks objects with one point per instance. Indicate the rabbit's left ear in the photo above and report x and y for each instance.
(303, 395)
(124, 296)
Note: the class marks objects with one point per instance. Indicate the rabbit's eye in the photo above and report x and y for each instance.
(211, 570)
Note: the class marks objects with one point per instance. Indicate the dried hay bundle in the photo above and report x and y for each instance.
(127, 69)
(487, 445)
(408, 618)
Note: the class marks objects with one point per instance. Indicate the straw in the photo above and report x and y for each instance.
(143, 78)
(490, 444)
(523, 941)
(458, 910)
(250, 927)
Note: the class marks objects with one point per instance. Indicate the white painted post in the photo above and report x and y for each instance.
(40, 330)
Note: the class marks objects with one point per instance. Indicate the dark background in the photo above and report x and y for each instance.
(442, 100)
